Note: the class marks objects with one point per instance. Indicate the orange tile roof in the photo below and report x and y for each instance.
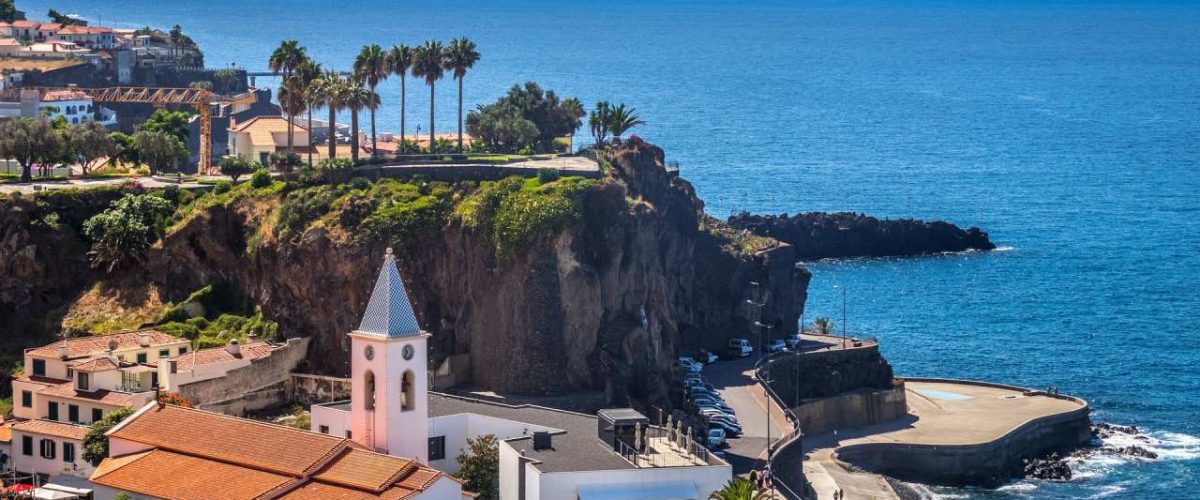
(25, 24)
(366, 470)
(42, 380)
(65, 95)
(100, 364)
(68, 391)
(51, 428)
(264, 446)
(163, 474)
(251, 351)
(50, 26)
(87, 346)
(9, 42)
(6, 432)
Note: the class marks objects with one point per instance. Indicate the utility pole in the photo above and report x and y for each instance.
(843, 290)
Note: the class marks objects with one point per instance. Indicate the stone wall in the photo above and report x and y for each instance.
(987, 464)
(797, 378)
(261, 385)
(456, 173)
(860, 408)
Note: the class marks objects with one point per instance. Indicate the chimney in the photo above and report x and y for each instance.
(143, 339)
(62, 350)
(233, 348)
(251, 338)
(542, 441)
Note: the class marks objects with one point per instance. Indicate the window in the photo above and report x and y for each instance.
(437, 448)
(53, 411)
(97, 414)
(164, 353)
(183, 350)
(69, 452)
(324, 429)
(84, 383)
(407, 386)
(141, 357)
(348, 434)
(369, 390)
(27, 446)
(48, 448)
(73, 414)
(70, 373)
(39, 367)
(26, 399)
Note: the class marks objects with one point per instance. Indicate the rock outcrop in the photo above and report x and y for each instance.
(818, 235)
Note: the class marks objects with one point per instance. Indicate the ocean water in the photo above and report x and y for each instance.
(1068, 130)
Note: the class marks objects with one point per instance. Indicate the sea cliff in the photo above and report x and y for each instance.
(819, 235)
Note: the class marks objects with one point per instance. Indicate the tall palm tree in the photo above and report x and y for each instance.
(738, 488)
(357, 97)
(621, 119)
(599, 122)
(371, 67)
(428, 65)
(307, 74)
(284, 60)
(332, 89)
(399, 60)
(460, 56)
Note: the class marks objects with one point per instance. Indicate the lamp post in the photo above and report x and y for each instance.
(843, 290)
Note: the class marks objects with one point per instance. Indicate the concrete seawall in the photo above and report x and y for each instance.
(984, 464)
(859, 408)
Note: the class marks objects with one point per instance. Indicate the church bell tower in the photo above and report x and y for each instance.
(388, 366)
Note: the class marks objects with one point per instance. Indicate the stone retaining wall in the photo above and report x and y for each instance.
(851, 410)
(456, 173)
(986, 464)
(797, 378)
(312, 389)
(261, 385)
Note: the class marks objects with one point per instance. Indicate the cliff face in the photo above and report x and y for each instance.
(604, 304)
(818, 235)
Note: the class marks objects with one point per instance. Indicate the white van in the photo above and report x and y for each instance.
(740, 348)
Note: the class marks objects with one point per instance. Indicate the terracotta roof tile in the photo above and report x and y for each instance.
(6, 432)
(366, 470)
(254, 444)
(99, 364)
(51, 428)
(68, 391)
(26, 24)
(251, 351)
(42, 380)
(164, 474)
(88, 346)
(315, 490)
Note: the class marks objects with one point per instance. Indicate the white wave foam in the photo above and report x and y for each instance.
(1167, 445)
(1004, 248)
(1018, 487)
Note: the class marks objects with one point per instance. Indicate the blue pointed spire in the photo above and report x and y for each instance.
(389, 313)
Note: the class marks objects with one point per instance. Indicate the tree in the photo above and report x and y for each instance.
(461, 56)
(305, 85)
(124, 232)
(63, 19)
(334, 169)
(480, 467)
(284, 161)
(89, 143)
(428, 65)
(823, 325)
(399, 60)
(621, 119)
(598, 122)
(127, 147)
(29, 141)
(8, 11)
(551, 116)
(236, 166)
(502, 128)
(371, 66)
(174, 123)
(95, 443)
(332, 89)
(160, 150)
(284, 60)
(738, 488)
(356, 97)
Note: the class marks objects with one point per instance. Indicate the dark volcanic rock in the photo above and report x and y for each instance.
(818, 235)
(1052, 468)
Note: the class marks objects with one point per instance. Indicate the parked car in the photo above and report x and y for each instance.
(730, 428)
(740, 348)
(777, 345)
(689, 365)
(711, 409)
(706, 356)
(688, 383)
(700, 391)
(715, 438)
(733, 421)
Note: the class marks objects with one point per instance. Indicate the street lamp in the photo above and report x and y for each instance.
(843, 290)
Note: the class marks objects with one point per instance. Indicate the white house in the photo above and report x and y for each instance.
(76, 106)
(544, 453)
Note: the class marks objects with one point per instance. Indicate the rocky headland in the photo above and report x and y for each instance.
(819, 235)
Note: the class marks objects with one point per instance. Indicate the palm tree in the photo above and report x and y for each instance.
(738, 488)
(823, 325)
(460, 57)
(599, 122)
(356, 98)
(332, 89)
(307, 74)
(428, 65)
(399, 60)
(371, 67)
(621, 119)
(284, 60)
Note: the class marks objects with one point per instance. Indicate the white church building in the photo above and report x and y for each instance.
(544, 453)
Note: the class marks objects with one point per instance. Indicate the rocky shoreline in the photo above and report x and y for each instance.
(1056, 467)
(820, 235)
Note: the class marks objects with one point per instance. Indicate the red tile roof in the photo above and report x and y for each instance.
(89, 346)
(100, 364)
(68, 391)
(23, 23)
(251, 351)
(163, 474)
(51, 428)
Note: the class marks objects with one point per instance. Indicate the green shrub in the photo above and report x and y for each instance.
(222, 187)
(360, 183)
(171, 193)
(260, 179)
(516, 212)
(303, 206)
(236, 166)
(547, 175)
(178, 329)
(124, 232)
(176, 313)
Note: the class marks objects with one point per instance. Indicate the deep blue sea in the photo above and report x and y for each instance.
(1068, 130)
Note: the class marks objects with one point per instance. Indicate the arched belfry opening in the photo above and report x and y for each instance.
(407, 391)
(369, 390)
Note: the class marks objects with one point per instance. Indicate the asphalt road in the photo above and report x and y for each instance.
(734, 380)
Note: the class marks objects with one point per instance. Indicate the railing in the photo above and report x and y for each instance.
(792, 438)
(649, 458)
